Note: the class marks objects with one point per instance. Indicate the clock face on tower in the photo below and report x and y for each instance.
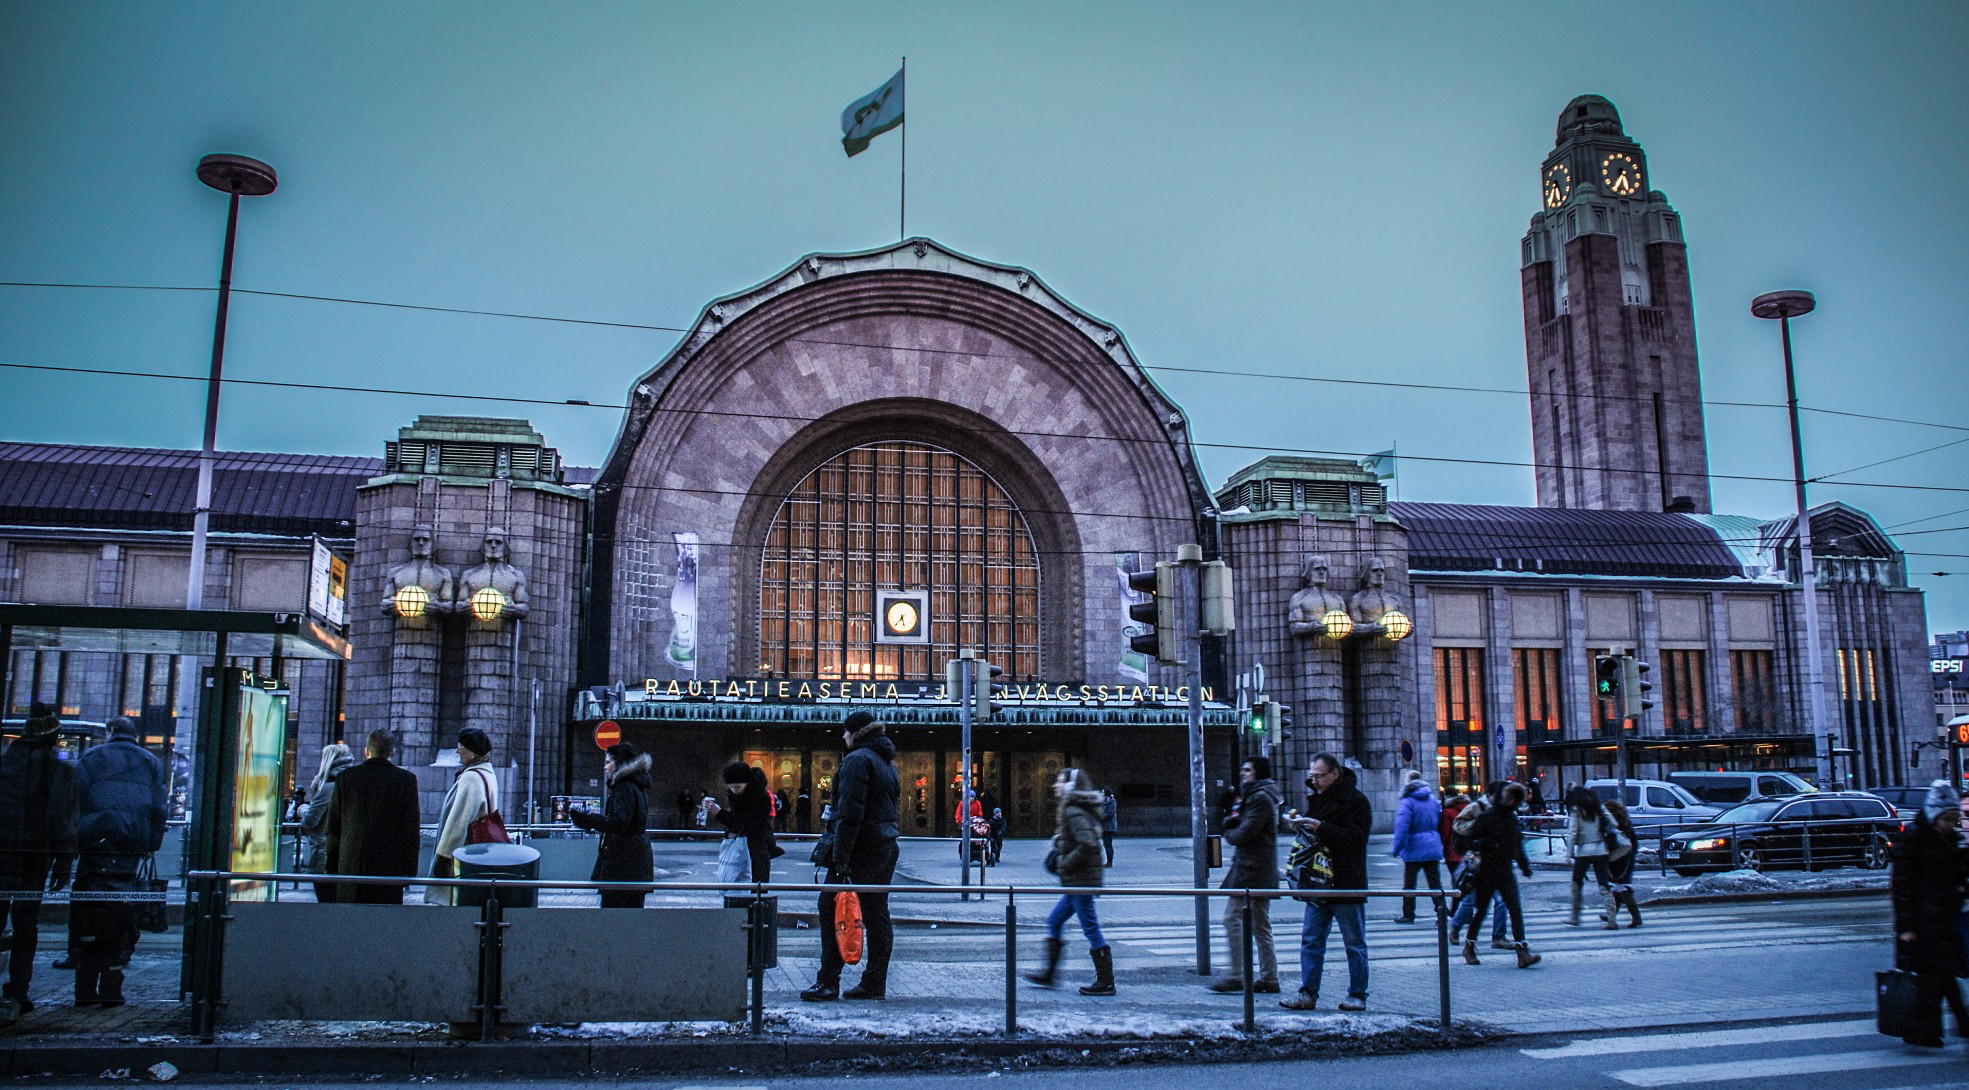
(902, 617)
(1558, 185)
(1621, 175)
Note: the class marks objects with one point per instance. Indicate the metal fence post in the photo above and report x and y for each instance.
(1250, 1003)
(1806, 828)
(1442, 955)
(492, 926)
(1011, 965)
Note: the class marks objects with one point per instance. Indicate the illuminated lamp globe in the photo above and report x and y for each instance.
(412, 600)
(1337, 624)
(488, 603)
(1395, 625)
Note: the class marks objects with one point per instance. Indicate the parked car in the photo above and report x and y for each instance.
(1906, 801)
(1823, 829)
(1653, 804)
(1730, 788)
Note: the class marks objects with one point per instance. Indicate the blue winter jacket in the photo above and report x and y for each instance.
(1417, 819)
(122, 795)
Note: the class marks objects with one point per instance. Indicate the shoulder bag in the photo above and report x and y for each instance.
(490, 829)
(153, 911)
(1310, 865)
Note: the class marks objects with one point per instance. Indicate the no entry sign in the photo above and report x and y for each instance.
(607, 734)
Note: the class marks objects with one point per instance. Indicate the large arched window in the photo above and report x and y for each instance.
(897, 515)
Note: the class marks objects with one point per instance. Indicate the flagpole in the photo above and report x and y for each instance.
(902, 200)
(1394, 465)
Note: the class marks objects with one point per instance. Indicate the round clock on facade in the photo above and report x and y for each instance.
(1558, 185)
(1621, 175)
(902, 617)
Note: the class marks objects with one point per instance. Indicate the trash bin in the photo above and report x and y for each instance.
(516, 861)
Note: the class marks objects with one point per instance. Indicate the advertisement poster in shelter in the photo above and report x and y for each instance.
(256, 792)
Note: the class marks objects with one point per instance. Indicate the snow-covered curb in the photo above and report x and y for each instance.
(1751, 882)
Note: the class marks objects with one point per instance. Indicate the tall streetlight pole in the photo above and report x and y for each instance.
(1784, 306)
(237, 176)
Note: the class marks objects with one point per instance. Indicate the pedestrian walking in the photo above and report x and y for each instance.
(748, 818)
(997, 834)
(38, 816)
(782, 810)
(474, 793)
(686, 802)
(1929, 871)
(1621, 866)
(336, 759)
(1417, 843)
(1252, 829)
(1339, 817)
(1077, 860)
(1499, 844)
(1464, 878)
(1586, 841)
(803, 813)
(372, 824)
(120, 788)
(866, 794)
(624, 853)
(1110, 824)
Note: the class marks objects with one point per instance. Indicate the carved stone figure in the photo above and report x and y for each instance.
(1312, 600)
(497, 574)
(1373, 601)
(420, 571)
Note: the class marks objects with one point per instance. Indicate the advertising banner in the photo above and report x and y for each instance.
(1134, 666)
(328, 585)
(683, 605)
(256, 797)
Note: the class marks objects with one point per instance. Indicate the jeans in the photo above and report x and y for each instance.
(1320, 918)
(1076, 904)
(1261, 937)
(1466, 907)
(875, 865)
(1432, 869)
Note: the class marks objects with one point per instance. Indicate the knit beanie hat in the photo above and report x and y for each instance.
(474, 739)
(41, 719)
(738, 772)
(1940, 797)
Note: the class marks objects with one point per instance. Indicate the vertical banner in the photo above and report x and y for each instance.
(256, 791)
(1134, 666)
(683, 605)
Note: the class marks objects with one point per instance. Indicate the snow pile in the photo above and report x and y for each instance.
(1075, 1025)
(1751, 882)
(1733, 881)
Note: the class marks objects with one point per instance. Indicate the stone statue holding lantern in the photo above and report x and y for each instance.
(421, 586)
(1314, 610)
(1375, 611)
(494, 590)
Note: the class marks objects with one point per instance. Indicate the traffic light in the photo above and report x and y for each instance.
(1281, 726)
(1634, 687)
(1261, 717)
(982, 706)
(1158, 615)
(1219, 618)
(1606, 680)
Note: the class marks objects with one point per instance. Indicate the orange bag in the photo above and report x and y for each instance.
(848, 927)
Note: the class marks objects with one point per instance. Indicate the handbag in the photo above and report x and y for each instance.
(153, 913)
(848, 927)
(1617, 845)
(734, 860)
(490, 829)
(823, 853)
(1052, 863)
(1893, 995)
(1310, 865)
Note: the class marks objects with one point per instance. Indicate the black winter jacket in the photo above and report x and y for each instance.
(624, 854)
(1927, 882)
(122, 799)
(866, 792)
(37, 809)
(1253, 833)
(372, 829)
(1500, 842)
(1345, 819)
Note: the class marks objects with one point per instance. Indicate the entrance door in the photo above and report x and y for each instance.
(1031, 809)
(917, 809)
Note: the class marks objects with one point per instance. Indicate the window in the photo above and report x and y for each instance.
(1535, 679)
(1683, 706)
(1460, 718)
(1754, 690)
(897, 515)
(1664, 798)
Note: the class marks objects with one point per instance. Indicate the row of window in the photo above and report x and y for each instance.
(1538, 682)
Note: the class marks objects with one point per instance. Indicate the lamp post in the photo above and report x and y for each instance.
(237, 176)
(1784, 306)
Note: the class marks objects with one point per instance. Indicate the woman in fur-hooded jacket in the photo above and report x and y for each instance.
(624, 854)
(1078, 856)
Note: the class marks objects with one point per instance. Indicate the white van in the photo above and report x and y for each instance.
(1652, 804)
(1730, 788)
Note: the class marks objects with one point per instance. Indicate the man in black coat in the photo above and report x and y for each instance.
(1927, 883)
(372, 825)
(37, 839)
(122, 822)
(1339, 817)
(866, 793)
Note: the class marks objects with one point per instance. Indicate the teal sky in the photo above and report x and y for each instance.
(1302, 189)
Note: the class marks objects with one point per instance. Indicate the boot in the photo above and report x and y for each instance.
(1526, 959)
(1044, 977)
(1103, 972)
(88, 987)
(18, 993)
(1470, 953)
(1455, 933)
(1612, 915)
(111, 993)
(1572, 915)
(1633, 906)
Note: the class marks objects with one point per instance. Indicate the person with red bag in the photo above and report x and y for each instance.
(473, 798)
(866, 793)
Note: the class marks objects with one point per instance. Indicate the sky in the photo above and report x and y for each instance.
(1293, 193)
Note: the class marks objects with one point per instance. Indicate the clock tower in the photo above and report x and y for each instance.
(1616, 400)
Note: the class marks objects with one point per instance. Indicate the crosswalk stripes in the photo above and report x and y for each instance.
(1710, 1069)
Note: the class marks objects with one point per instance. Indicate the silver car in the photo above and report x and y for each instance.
(1655, 804)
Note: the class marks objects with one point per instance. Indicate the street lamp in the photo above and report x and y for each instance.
(237, 176)
(1784, 306)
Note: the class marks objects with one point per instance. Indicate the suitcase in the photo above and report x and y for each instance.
(1893, 996)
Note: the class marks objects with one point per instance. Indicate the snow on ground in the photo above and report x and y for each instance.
(1750, 881)
(1039, 1026)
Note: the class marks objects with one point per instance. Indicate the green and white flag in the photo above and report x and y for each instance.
(872, 115)
(1382, 465)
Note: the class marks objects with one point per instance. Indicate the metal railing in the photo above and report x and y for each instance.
(211, 886)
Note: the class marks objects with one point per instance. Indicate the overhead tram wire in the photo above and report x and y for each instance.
(1013, 356)
(1154, 441)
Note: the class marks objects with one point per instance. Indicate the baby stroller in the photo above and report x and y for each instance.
(980, 842)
